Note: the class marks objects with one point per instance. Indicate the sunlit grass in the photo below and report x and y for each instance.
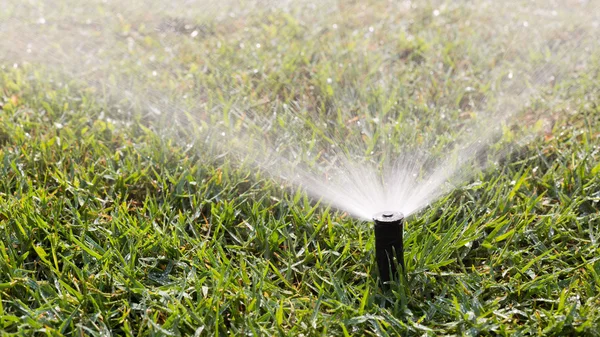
(128, 224)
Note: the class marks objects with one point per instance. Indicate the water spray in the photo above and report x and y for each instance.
(388, 244)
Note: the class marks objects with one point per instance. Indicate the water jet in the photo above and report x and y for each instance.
(389, 246)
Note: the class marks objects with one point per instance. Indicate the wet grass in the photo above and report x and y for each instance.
(129, 225)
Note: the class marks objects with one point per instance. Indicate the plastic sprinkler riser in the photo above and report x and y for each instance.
(388, 244)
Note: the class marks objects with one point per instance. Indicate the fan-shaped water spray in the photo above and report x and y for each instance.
(362, 154)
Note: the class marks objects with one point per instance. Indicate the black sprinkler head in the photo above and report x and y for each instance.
(388, 244)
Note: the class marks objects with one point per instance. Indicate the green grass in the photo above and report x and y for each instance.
(128, 224)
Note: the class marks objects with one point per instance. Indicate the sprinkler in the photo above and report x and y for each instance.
(388, 244)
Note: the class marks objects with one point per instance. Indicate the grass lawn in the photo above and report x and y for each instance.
(125, 208)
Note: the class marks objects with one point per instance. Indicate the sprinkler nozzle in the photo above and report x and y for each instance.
(388, 244)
